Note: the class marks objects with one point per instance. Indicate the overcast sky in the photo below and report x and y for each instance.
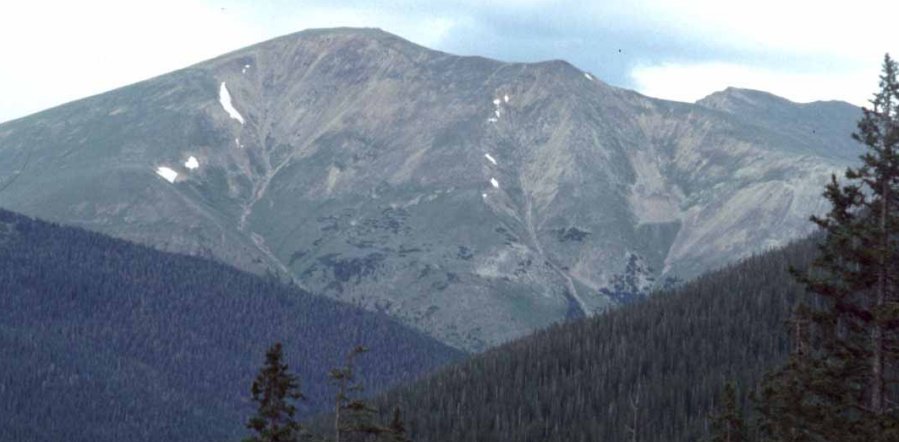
(57, 51)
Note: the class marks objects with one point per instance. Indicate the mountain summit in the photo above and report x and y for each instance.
(474, 199)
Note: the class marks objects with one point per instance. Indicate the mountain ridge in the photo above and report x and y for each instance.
(473, 199)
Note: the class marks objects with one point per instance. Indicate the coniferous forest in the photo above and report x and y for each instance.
(102, 339)
(650, 371)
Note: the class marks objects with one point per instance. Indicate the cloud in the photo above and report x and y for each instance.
(857, 30)
(802, 50)
(59, 51)
(690, 82)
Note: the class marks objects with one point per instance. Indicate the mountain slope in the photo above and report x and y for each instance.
(101, 339)
(670, 355)
(473, 199)
(818, 128)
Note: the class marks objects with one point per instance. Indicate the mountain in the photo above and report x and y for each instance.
(819, 128)
(473, 199)
(669, 357)
(105, 340)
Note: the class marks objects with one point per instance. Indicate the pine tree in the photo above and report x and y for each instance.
(841, 380)
(727, 423)
(274, 390)
(354, 418)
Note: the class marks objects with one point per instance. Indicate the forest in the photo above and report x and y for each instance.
(102, 339)
(649, 371)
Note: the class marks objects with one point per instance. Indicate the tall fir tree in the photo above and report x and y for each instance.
(275, 390)
(840, 383)
(354, 419)
(727, 423)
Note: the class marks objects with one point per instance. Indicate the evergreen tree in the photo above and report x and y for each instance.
(727, 423)
(354, 418)
(274, 390)
(840, 382)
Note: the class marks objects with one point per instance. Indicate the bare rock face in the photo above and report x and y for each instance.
(474, 199)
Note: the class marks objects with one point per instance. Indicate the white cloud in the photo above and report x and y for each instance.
(857, 30)
(56, 51)
(803, 50)
(692, 81)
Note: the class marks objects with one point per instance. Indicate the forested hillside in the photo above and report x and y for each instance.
(104, 340)
(655, 366)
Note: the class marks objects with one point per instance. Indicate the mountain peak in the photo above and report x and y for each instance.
(374, 34)
(733, 96)
(341, 35)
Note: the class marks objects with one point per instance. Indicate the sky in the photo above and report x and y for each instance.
(55, 51)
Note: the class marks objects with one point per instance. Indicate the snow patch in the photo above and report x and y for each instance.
(167, 173)
(484, 195)
(497, 107)
(225, 100)
(494, 183)
(244, 70)
(192, 163)
(490, 158)
(589, 77)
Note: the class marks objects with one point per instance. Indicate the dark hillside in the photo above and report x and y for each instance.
(575, 382)
(105, 340)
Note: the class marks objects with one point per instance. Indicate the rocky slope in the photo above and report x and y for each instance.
(473, 199)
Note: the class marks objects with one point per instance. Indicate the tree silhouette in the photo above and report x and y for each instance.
(840, 383)
(274, 390)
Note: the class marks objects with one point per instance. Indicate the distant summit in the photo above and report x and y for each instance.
(753, 98)
(820, 127)
(733, 96)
